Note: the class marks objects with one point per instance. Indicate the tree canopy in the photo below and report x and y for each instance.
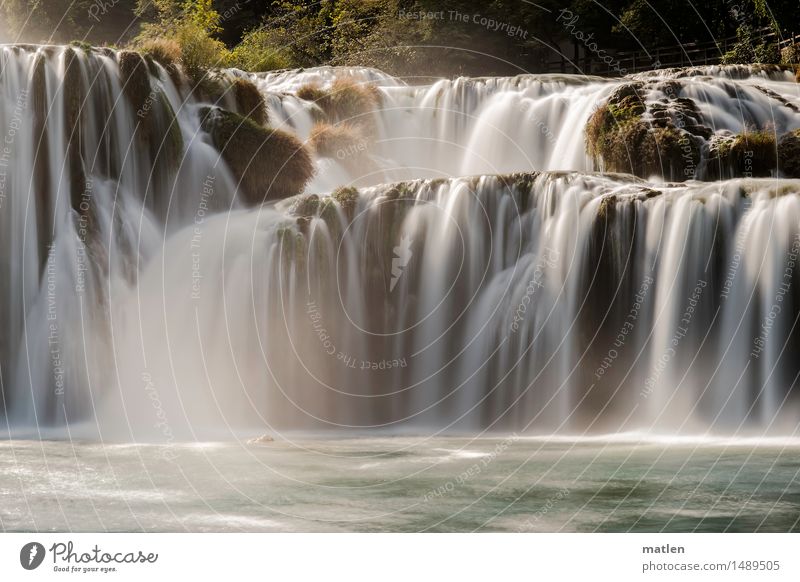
(430, 37)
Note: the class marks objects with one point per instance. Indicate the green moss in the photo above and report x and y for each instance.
(249, 101)
(269, 164)
(346, 196)
(607, 207)
(752, 154)
(625, 106)
(789, 154)
(305, 206)
(82, 45)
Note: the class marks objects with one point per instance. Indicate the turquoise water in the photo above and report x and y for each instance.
(403, 484)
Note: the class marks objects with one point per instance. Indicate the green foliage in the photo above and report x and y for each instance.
(190, 24)
(749, 50)
(60, 21)
(199, 52)
(261, 49)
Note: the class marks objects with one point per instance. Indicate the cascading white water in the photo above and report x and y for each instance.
(525, 123)
(141, 300)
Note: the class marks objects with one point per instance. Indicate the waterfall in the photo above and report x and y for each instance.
(467, 269)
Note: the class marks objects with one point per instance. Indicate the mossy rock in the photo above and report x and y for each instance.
(672, 153)
(82, 45)
(789, 154)
(211, 87)
(135, 78)
(249, 101)
(305, 206)
(619, 134)
(624, 106)
(270, 164)
(165, 137)
(347, 198)
(751, 154)
(607, 208)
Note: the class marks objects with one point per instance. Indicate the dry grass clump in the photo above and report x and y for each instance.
(249, 101)
(346, 101)
(342, 142)
(269, 163)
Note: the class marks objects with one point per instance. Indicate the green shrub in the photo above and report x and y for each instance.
(790, 55)
(260, 50)
(200, 53)
(748, 50)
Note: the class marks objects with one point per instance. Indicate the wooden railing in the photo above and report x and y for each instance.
(625, 62)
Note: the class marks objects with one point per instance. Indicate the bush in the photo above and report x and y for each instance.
(200, 53)
(790, 55)
(269, 164)
(189, 25)
(261, 51)
(747, 50)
